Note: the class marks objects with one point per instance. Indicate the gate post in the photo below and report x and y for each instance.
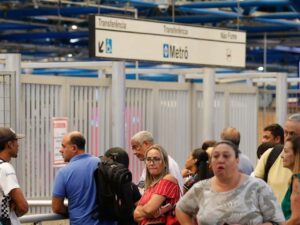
(281, 98)
(118, 104)
(208, 106)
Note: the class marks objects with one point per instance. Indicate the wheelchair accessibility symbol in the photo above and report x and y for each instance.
(108, 45)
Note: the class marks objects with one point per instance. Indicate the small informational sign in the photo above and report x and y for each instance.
(131, 39)
(60, 128)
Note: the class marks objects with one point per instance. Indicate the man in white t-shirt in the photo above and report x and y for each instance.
(12, 201)
(140, 142)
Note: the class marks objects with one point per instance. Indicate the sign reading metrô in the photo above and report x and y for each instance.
(131, 39)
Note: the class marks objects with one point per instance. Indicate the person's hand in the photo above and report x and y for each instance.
(185, 172)
(162, 210)
(137, 214)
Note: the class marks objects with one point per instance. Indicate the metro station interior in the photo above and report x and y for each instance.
(48, 30)
(45, 50)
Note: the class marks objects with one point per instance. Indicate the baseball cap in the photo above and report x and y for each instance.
(8, 134)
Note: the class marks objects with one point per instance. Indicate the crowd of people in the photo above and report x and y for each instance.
(218, 185)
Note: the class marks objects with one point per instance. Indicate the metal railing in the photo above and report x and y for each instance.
(39, 218)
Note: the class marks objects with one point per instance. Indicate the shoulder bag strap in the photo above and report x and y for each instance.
(271, 159)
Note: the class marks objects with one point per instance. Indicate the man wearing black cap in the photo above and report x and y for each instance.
(12, 201)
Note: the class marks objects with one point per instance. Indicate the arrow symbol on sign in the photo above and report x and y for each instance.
(100, 48)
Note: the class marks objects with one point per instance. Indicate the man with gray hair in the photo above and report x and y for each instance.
(278, 177)
(140, 142)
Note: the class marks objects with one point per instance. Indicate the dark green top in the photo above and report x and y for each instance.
(286, 202)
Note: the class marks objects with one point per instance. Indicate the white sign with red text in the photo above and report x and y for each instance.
(60, 128)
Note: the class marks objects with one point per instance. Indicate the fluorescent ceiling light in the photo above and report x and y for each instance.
(261, 68)
(74, 27)
(74, 40)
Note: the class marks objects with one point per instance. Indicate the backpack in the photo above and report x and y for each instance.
(277, 149)
(114, 197)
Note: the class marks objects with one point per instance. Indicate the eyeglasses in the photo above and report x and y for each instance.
(154, 160)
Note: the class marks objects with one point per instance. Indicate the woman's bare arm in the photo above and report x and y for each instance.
(183, 218)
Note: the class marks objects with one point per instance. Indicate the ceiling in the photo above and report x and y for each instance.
(56, 30)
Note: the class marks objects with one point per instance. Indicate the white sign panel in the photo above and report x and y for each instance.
(60, 128)
(131, 39)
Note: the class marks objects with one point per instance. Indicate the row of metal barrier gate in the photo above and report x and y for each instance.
(172, 111)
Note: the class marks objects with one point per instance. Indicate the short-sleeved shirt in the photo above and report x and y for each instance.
(278, 177)
(76, 182)
(245, 165)
(252, 202)
(8, 182)
(165, 188)
(286, 203)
